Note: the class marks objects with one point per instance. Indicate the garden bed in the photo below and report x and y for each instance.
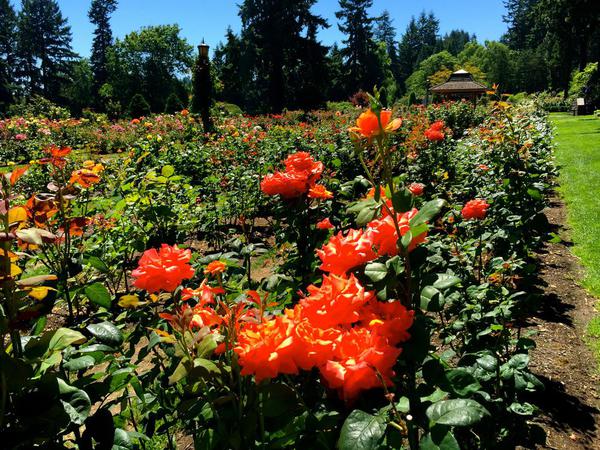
(382, 303)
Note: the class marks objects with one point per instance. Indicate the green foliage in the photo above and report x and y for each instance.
(419, 82)
(173, 104)
(38, 106)
(42, 68)
(149, 62)
(582, 85)
(80, 93)
(8, 23)
(277, 60)
(138, 106)
(99, 15)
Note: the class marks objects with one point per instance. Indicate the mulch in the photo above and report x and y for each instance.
(570, 403)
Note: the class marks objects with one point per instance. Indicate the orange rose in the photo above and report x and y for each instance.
(367, 124)
(163, 269)
(343, 253)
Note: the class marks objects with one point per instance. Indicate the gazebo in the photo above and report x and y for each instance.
(460, 85)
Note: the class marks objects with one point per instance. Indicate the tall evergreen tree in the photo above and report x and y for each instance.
(520, 23)
(336, 74)
(386, 33)
(44, 49)
(417, 44)
(231, 70)
(455, 41)
(360, 53)
(280, 44)
(8, 23)
(99, 15)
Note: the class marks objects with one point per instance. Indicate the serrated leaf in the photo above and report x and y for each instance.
(98, 294)
(107, 333)
(431, 299)
(456, 412)
(361, 431)
(427, 212)
(376, 271)
(76, 402)
(445, 281)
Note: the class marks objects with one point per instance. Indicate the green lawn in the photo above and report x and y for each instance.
(578, 157)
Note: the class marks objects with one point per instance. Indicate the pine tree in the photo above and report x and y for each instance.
(359, 53)
(138, 106)
(336, 74)
(99, 15)
(231, 71)
(283, 55)
(386, 33)
(173, 104)
(8, 23)
(44, 49)
(417, 44)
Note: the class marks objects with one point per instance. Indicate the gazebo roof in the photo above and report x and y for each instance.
(459, 82)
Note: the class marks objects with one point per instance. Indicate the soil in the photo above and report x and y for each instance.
(570, 404)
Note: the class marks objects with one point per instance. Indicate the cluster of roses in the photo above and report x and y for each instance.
(164, 270)
(435, 131)
(299, 178)
(339, 328)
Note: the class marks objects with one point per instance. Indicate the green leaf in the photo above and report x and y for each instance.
(522, 409)
(407, 239)
(81, 363)
(278, 399)
(98, 294)
(107, 333)
(488, 363)
(97, 264)
(180, 372)
(206, 346)
(76, 402)
(456, 412)
(445, 281)
(439, 438)
(122, 440)
(365, 216)
(62, 338)
(401, 200)
(376, 271)
(431, 299)
(462, 382)
(167, 171)
(534, 193)
(361, 431)
(427, 212)
(519, 361)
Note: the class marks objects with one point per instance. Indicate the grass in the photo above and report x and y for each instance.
(578, 157)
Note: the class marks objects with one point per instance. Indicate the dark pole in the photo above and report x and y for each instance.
(203, 87)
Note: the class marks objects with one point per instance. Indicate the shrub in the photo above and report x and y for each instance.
(138, 106)
(361, 98)
(226, 109)
(38, 106)
(173, 104)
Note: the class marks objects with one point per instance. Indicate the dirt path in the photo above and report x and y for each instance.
(571, 402)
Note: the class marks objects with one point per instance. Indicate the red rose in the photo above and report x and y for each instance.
(163, 270)
(475, 209)
(416, 189)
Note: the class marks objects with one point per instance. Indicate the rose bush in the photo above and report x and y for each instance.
(298, 280)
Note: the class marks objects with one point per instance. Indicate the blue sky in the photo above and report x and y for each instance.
(209, 19)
